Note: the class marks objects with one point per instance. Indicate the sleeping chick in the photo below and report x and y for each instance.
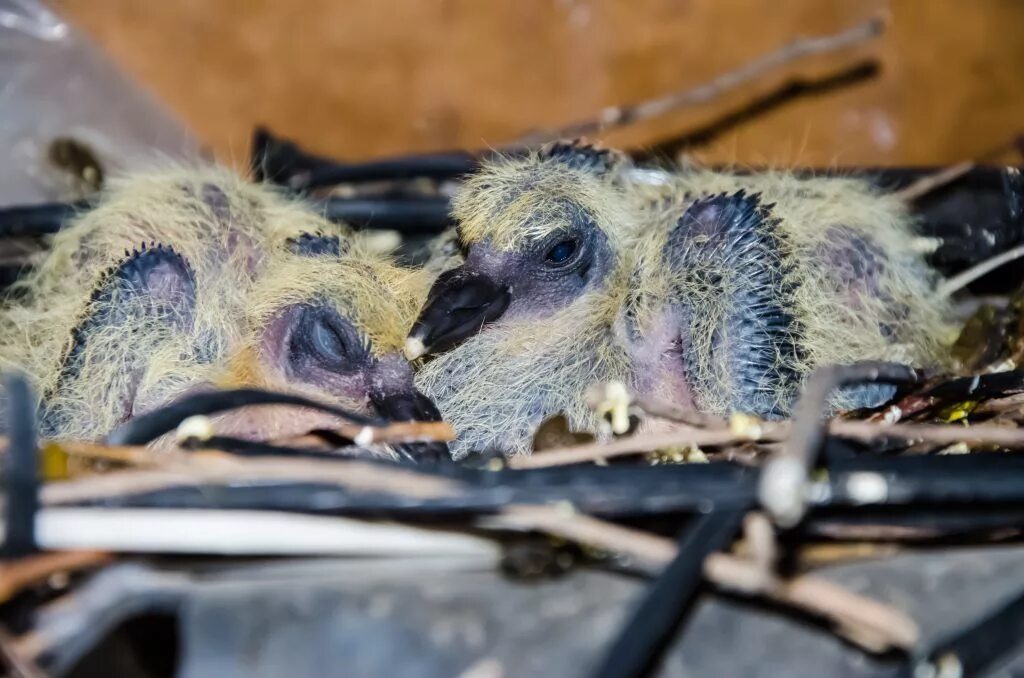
(716, 291)
(188, 280)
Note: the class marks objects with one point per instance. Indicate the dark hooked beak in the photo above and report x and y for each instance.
(412, 406)
(458, 305)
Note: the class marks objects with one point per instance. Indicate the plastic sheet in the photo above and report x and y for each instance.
(55, 85)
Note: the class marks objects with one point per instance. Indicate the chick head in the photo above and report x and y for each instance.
(537, 232)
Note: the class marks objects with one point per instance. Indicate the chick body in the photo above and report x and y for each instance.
(714, 290)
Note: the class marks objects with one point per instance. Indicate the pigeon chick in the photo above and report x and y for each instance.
(716, 291)
(183, 281)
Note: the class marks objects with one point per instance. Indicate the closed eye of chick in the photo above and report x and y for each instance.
(717, 291)
(184, 280)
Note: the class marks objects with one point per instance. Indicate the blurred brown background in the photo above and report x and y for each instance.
(358, 78)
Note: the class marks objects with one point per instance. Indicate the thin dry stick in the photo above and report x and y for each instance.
(636, 444)
(648, 550)
(214, 467)
(965, 278)
(125, 454)
(980, 434)
(401, 432)
(17, 574)
(871, 624)
(19, 665)
(931, 182)
(663, 409)
(619, 116)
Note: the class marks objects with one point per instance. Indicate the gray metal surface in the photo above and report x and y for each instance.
(413, 618)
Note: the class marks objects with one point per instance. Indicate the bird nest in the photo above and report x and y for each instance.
(781, 515)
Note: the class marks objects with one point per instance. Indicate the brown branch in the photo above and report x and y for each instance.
(620, 116)
(965, 278)
(663, 409)
(18, 663)
(17, 574)
(944, 177)
(980, 434)
(214, 467)
(401, 432)
(871, 624)
(126, 454)
(931, 182)
(647, 550)
(636, 444)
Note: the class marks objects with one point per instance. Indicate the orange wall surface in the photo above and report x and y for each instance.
(359, 78)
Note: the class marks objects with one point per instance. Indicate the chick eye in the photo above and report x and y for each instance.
(561, 252)
(327, 342)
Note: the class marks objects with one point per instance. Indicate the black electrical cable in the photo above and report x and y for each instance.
(148, 427)
(937, 480)
(638, 649)
(37, 220)
(275, 159)
(428, 214)
(405, 214)
(284, 162)
(22, 469)
(427, 166)
(782, 483)
(669, 492)
(979, 387)
(977, 647)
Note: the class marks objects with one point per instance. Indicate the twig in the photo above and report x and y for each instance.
(815, 556)
(17, 574)
(965, 278)
(866, 622)
(137, 455)
(19, 665)
(662, 409)
(931, 182)
(619, 116)
(133, 455)
(402, 432)
(943, 177)
(1000, 405)
(979, 434)
(871, 624)
(647, 550)
(637, 444)
(781, 485)
(201, 467)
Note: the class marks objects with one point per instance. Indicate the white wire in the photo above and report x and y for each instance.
(244, 533)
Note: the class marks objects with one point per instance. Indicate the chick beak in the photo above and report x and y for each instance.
(412, 406)
(458, 305)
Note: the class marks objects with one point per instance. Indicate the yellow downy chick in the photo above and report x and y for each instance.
(713, 290)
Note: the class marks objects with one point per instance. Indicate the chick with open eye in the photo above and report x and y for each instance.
(181, 281)
(716, 291)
